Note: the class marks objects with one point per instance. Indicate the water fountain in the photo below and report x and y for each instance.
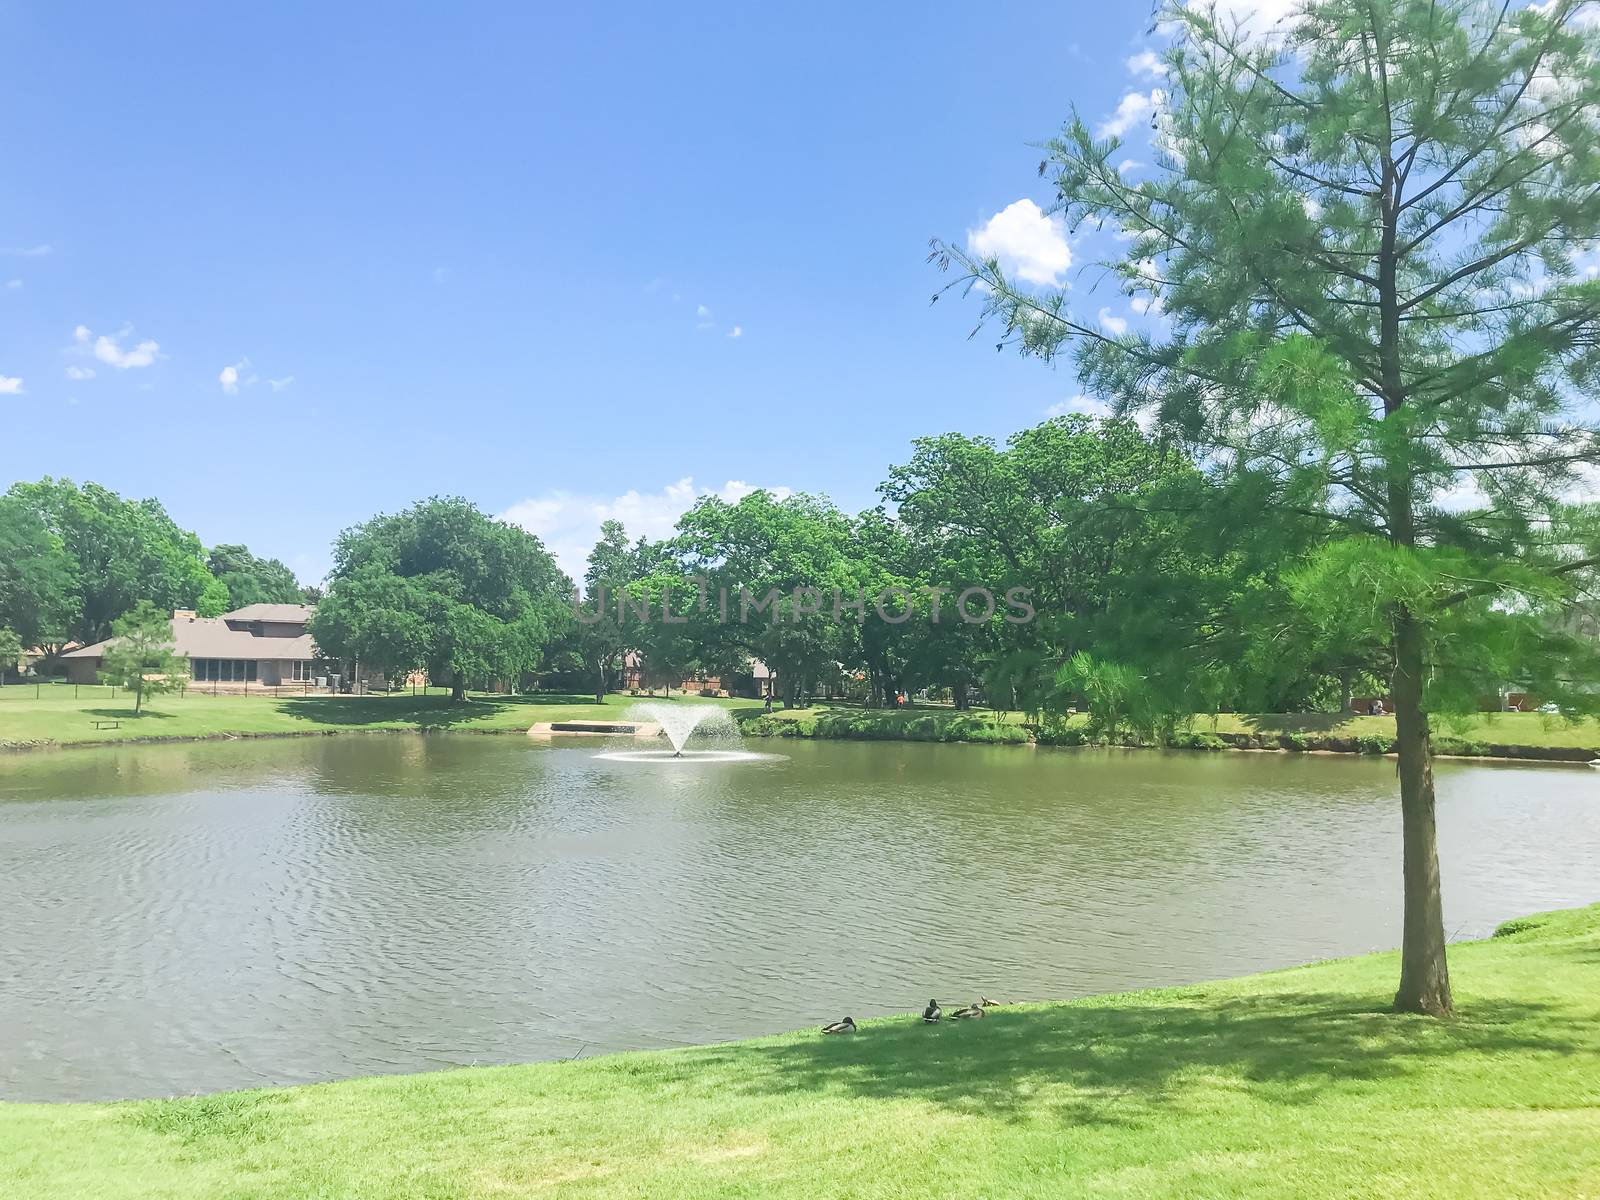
(680, 722)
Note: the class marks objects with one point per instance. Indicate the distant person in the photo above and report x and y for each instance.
(769, 702)
(1377, 708)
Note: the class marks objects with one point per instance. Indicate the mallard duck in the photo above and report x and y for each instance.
(932, 1013)
(848, 1025)
(968, 1013)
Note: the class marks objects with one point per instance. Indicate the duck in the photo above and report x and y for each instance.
(932, 1013)
(848, 1025)
(969, 1013)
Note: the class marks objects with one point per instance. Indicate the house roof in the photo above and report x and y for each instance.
(210, 637)
(287, 614)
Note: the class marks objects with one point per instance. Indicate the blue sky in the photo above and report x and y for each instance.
(324, 260)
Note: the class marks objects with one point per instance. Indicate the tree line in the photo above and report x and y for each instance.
(74, 558)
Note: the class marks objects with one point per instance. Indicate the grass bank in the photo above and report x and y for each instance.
(1496, 735)
(61, 715)
(53, 715)
(1294, 1083)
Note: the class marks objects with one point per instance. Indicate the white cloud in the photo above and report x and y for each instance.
(1132, 109)
(1147, 64)
(569, 524)
(1257, 18)
(1128, 164)
(1028, 242)
(108, 348)
(231, 379)
(702, 312)
(1087, 405)
(13, 283)
(1114, 325)
(736, 332)
(228, 377)
(80, 373)
(1585, 485)
(1586, 17)
(10, 385)
(28, 252)
(1143, 305)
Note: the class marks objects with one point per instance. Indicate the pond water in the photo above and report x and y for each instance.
(192, 918)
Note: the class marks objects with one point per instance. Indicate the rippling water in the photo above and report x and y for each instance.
(190, 918)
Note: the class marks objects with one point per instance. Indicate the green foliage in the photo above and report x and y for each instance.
(37, 597)
(10, 651)
(140, 657)
(758, 552)
(442, 588)
(1192, 740)
(115, 553)
(247, 579)
(1364, 239)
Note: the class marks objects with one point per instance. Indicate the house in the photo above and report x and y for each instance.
(264, 644)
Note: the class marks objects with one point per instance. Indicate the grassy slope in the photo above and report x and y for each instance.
(60, 719)
(1294, 1083)
(944, 724)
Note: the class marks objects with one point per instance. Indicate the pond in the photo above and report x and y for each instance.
(223, 915)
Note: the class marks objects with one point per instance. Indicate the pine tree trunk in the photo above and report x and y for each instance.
(1424, 973)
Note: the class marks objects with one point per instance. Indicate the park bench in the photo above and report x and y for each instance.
(108, 724)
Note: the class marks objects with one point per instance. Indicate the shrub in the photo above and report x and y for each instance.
(1516, 925)
(1374, 743)
(1196, 741)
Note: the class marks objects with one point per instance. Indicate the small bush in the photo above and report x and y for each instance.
(1297, 742)
(1374, 743)
(1188, 740)
(1516, 925)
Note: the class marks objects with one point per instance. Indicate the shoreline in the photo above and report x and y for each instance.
(803, 728)
(1249, 1081)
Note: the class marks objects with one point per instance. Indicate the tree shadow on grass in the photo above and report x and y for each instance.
(1119, 1064)
(422, 712)
(125, 714)
(426, 712)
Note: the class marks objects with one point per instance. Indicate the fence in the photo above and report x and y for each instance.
(59, 689)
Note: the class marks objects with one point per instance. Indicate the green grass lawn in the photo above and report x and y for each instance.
(59, 718)
(1295, 1083)
(946, 724)
(56, 716)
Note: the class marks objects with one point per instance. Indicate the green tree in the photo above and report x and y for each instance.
(140, 655)
(119, 552)
(1365, 238)
(36, 586)
(1082, 514)
(10, 652)
(443, 588)
(777, 563)
(252, 580)
(597, 639)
